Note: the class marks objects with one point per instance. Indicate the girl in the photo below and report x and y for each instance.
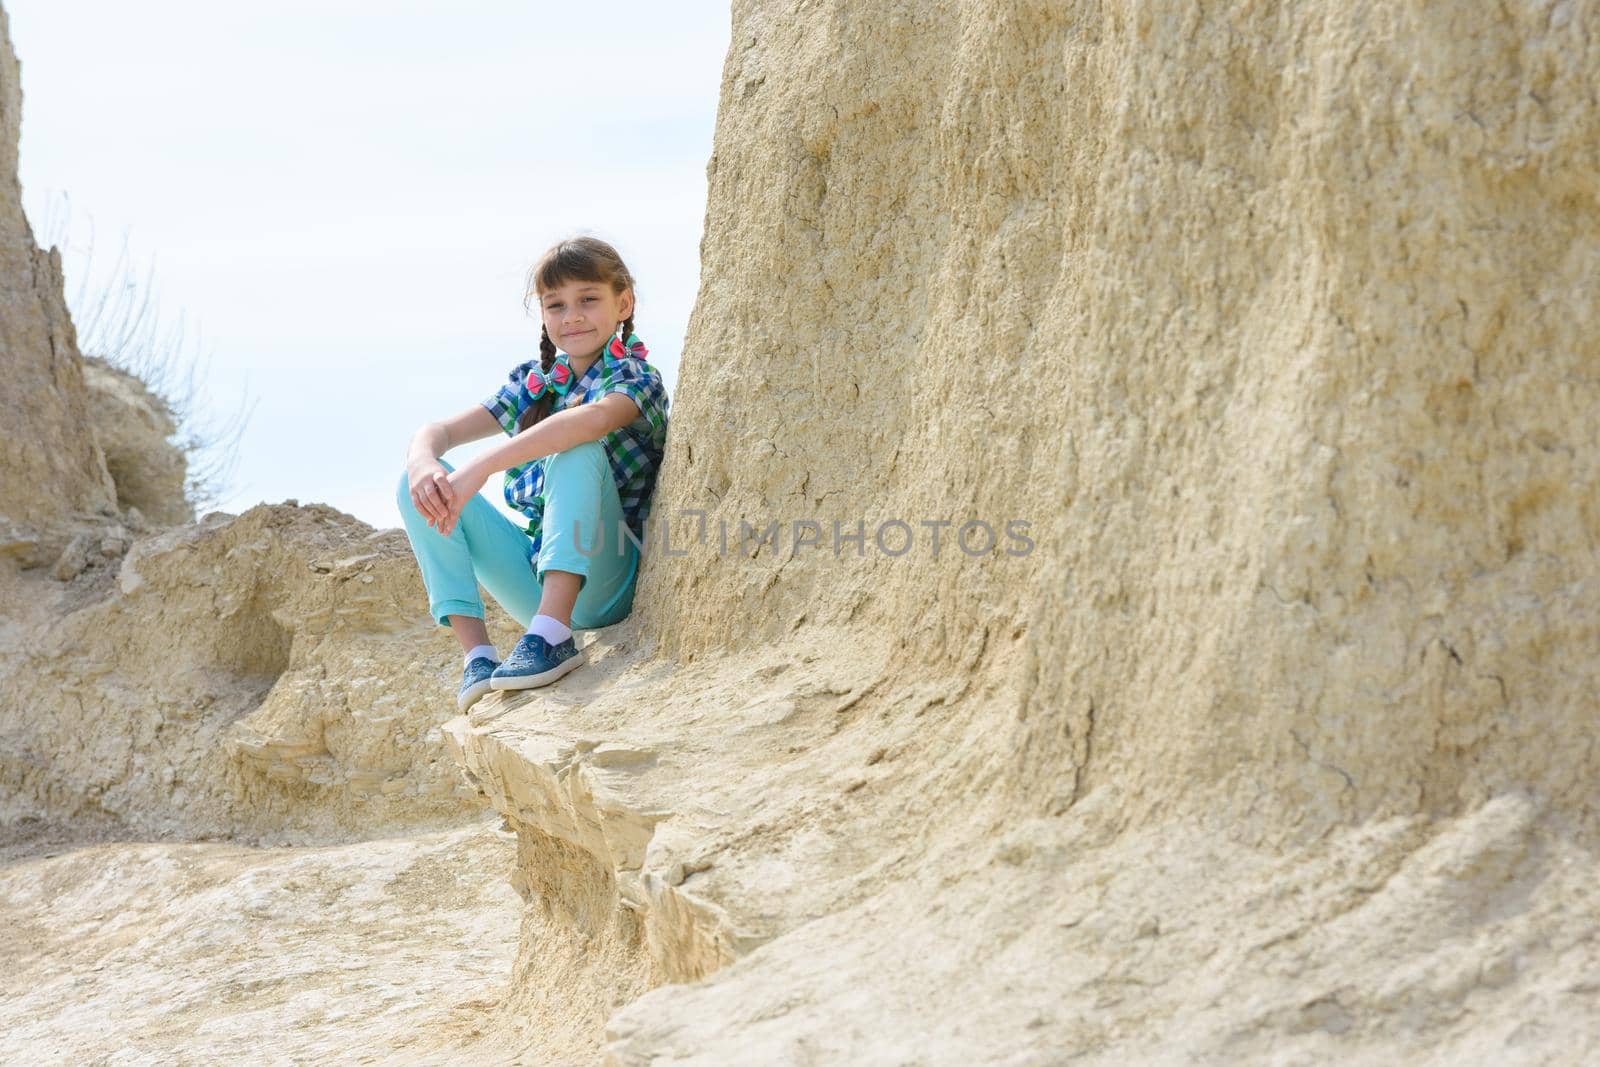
(587, 422)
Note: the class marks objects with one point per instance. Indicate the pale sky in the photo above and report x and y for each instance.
(345, 197)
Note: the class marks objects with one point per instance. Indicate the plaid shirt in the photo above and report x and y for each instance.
(635, 450)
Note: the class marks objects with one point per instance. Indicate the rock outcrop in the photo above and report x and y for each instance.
(134, 428)
(266, 675)
(84, 442)
(1276, 325)
(51, 467)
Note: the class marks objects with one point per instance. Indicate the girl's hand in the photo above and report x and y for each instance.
(464, 485)
(431, 490)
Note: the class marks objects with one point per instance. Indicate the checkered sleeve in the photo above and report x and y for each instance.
(640, 381)
(509, 401)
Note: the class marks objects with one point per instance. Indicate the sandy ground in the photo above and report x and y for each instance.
(392, 950)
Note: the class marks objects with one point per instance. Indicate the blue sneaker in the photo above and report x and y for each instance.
(474, 681)
(535, 662)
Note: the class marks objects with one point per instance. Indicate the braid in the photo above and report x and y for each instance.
(541, 407)
(627, 330)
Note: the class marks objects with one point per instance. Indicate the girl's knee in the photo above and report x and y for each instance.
(402, 491)
(402, 496)
(592, 447)
(590, 452)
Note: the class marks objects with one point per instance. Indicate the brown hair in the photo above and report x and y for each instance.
(576, 259)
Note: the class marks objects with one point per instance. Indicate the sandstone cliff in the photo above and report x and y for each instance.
(52, 467)
(1276, 745)
(84, 441)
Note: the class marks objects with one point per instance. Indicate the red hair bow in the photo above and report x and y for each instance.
(634, 348)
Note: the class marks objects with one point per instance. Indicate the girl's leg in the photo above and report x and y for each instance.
(585, 536)
(485, 547)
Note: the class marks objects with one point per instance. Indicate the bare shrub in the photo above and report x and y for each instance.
(118, 320)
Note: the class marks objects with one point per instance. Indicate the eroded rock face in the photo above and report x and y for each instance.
(271, 675)
(51, 467)
(83, 441)
(268, 675)
(1278, 326)
(134, 427)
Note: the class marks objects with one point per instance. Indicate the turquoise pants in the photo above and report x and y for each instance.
(581, 528)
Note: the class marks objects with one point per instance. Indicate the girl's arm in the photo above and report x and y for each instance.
(555, 433)
(429, 481)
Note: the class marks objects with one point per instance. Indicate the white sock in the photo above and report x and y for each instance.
(552, 630)
(482, 651)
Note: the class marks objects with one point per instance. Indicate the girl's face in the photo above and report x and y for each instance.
(580, 317)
